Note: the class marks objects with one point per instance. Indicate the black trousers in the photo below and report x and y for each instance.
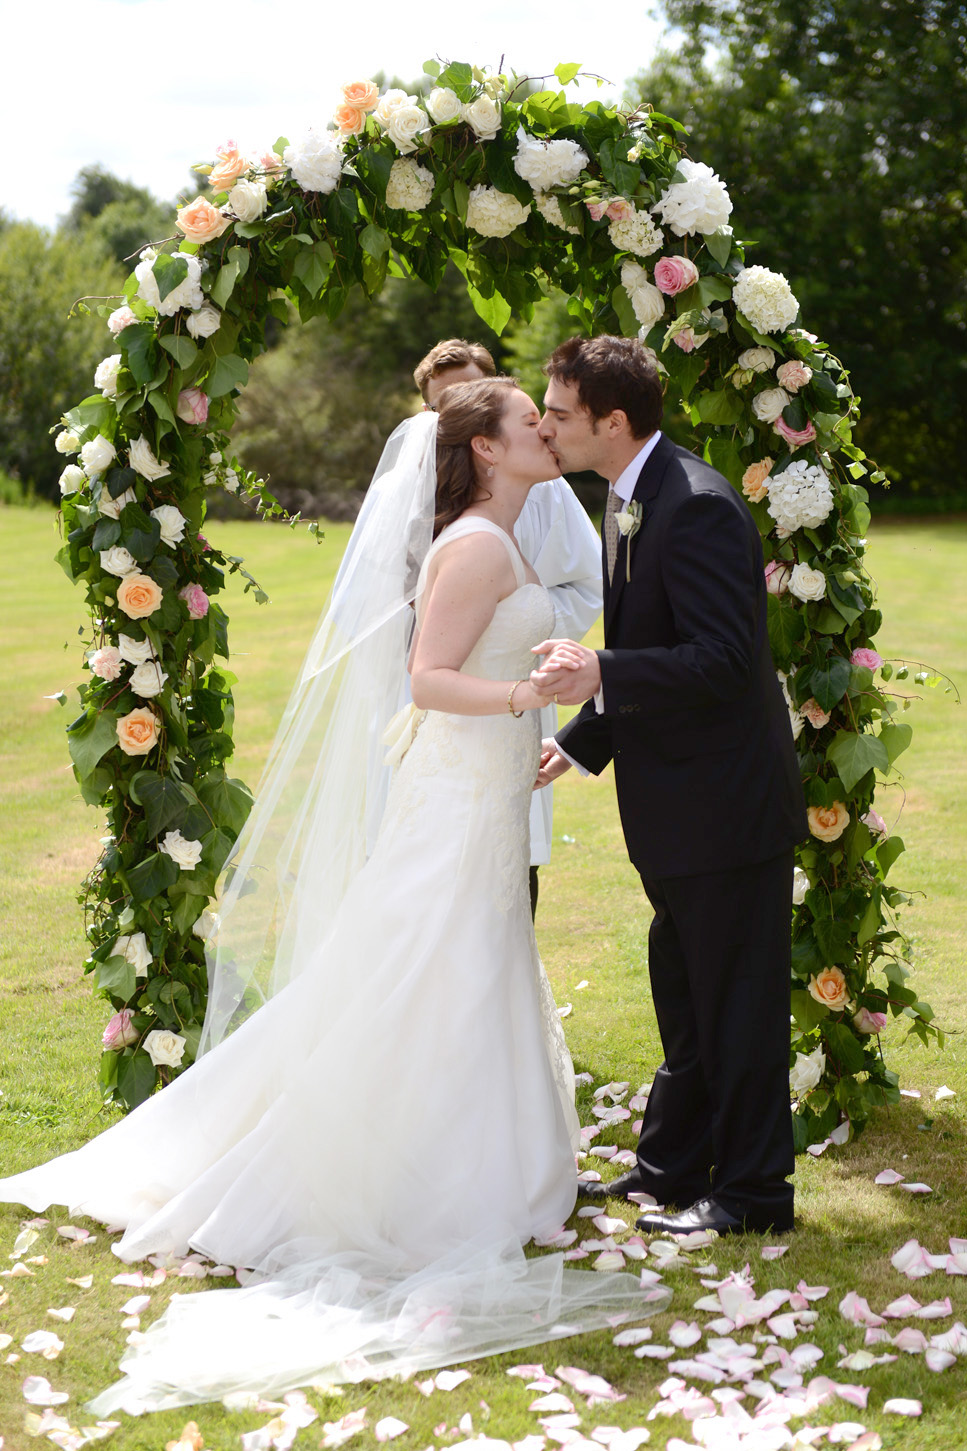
(718, 1119)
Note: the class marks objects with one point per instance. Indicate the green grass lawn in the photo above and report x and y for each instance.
(592, 924)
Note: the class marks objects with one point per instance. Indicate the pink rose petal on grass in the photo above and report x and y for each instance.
(554, 1401)
(37, 1392)
(633, 1336)
(944, 1092)
(936, 1310)
(910, 1340)
(938, 1360)
(912, 1260)
(917, 1188)
(448, 1380)
(909, 1093)
(683, 1335)
(389, 1428)
(954, 1339)
(898, 1406)
(65, 1314)
(900, 1309)
(74, 1232)
(854, 1308)
(773, 1251)
(888, 1176)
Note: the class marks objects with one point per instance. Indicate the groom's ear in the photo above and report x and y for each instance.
(617, 423)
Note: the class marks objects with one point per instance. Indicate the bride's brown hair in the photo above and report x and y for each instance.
(466, 411)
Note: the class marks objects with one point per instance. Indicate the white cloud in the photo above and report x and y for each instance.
(146, 87)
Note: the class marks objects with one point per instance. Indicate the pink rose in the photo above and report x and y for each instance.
(686, 340)
(620, 210)
(674, 274)
(777, 577)
(597, 209)
(201, 222)
(875, 822)
(793, 376)
(270, 162)
(864, 656)
(229, 164)
(195, 599)
(814, 713)
(121, 318)
(120, 1031)
(106, 663)
(795, 437)
(867, 1022)
(203, 542)
(192, 406)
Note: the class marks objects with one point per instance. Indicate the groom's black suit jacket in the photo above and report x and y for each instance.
(694, 718)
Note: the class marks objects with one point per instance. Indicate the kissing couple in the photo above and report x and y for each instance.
(383, 1113)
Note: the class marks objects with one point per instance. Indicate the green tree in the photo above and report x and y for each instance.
(46, 360)
(841, 130)
(121, 216)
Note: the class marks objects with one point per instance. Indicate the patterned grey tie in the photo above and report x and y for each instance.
(612, 508)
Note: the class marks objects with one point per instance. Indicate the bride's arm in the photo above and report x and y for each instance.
(471, 576)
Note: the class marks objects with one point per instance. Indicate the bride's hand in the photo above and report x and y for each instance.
(553, 764)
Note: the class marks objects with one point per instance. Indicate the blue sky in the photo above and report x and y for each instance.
(145, 87)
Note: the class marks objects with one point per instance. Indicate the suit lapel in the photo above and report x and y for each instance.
(649, 482)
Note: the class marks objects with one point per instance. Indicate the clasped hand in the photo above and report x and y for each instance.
(570, 675)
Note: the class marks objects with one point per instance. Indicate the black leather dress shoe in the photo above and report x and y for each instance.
(708, 1214)
(621, 1188)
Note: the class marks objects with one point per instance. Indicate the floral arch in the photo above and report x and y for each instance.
(524, 192)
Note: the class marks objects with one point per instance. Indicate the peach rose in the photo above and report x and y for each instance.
(138, 596)
(351, 120)
(138, 731)
(829, 988)
(620, 209)
(828, 823)
(201, 222)
(754, 485)
(363, 95)
(229, 164)
(814, 713)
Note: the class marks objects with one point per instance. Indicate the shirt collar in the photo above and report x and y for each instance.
(624, 485)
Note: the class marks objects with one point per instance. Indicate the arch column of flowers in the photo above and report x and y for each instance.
(524, 193)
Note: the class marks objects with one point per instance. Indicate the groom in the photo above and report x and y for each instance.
(685, 701)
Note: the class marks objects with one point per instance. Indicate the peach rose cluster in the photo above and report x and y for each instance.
(358, 99)
(829, 988)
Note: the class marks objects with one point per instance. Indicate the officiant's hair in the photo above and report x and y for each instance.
(452, 353)
(610, 373)
(466, 410)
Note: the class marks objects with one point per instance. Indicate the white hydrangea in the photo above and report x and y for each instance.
(187, 294)
(494, 213)
(765, 298)
(647, 301)
(410, 186)
(637, 234)
(700, 203)
(544, 164)
(801, 497)
(549, 207)
(316, 162)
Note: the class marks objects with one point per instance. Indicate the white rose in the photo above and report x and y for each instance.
(636, 234)
(807, 584)
(106, 375)
(765, 298)
(164, 1048)
(207, 925)
(111, 508)
(72, 479)
(186, 853)
(248, 200)
(757, 360)
(121, 318)
(483, 117)
(647, 301)
(118, 561)
(67, 442)
(800, 886)
(135, 652)
(549, 207)
(316, 162)
(148, 680)
(410, 186)
(807, 1070)
(134, 949)
(96, 454)
(205, 321)
(768, 405)
(494, 213)
(700, 203)
(143, 461)
(188, 293)
(404, 126)
(172, 522)
(544, 164)
(390, 102)
(443, 105)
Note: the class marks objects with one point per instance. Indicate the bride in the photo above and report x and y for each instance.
(375, 1143)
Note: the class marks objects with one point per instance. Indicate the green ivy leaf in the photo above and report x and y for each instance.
(844, 1048)
(116, 978)
(313, 265)
(895, 738)
(89, 742)
(152, 875)
(829, 681)
(137, 348)
(169, 272)
(719, 244)
(566, 73)
(721, 406)
(182, 349)
(806, 1011)
(165, 801)
(786, 628)
(855, 753)
(229, 373)
(140, 534)
(136, 1079)
(228, 800)
(374, 241)
(107, 534)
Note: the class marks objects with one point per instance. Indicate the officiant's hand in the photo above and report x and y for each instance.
(553, 764)
(570, 675)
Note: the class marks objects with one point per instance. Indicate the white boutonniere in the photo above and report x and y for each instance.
(629, 522)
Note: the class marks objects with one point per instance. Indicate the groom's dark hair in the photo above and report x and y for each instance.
(610, 373)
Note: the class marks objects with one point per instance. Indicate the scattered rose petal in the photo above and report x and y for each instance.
(74, 1232)
(565, 1011)
(575, 1254)
(773, 1251)
(336, 1432)
(897, 1406)
(19, 1272)
(911, 1340)
(854, 1308)
(552, 1402)
(909, 1093)
(954, 1339)
(465, 1423)
(425, 1387)
(22, 1243)
(84, 1283)
(37, 1392)
(448, 1380)
(633, 1336)
(917, 1188)
(610, 1260)
(900, 1309)
(938, 1360)
(912, 1260)
(43, 1342)
(559, 1240)
(389, 1428)
(607, 1225)
(683, 1335)
(582, 985)
(136, 1305)
(936, 1310)
(888, 1176)
(655, 1352)
(944, 1092)
(604, 1151)
(583, 1079)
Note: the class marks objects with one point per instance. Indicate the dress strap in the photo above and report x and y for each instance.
(471, 524)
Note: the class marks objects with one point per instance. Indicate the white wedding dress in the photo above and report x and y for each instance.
(379, 1140)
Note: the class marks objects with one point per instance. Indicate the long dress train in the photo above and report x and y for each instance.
(379, 1140)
